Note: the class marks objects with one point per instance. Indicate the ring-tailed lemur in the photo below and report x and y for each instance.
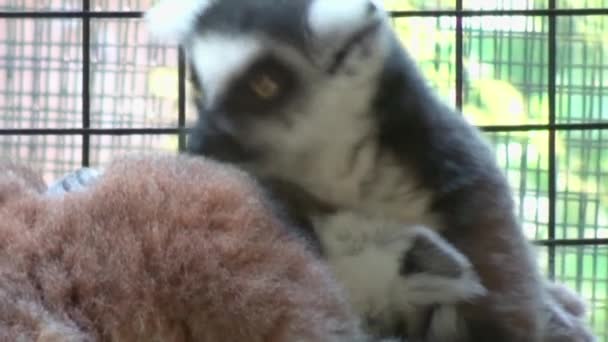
(320, 94)
(434, 276)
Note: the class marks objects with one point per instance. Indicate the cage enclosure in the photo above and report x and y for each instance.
(80, 82)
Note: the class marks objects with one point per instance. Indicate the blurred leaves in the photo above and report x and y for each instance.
(498, 103)
(162, 82)
(506, 83)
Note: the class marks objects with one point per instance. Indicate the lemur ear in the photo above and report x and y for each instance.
(431, 254)
(172, 20)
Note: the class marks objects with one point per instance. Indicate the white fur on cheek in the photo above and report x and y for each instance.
(217, 57)
(172, 20)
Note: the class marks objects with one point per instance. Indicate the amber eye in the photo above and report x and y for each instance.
(264, 86)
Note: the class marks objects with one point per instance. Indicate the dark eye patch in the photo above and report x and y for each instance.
(242, 98)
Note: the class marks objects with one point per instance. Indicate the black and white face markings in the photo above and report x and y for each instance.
(270, 73)
(320, 93)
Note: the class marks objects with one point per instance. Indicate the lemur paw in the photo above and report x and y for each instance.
(566, 318)
(562, 326)
(433, 272)
(433, 277)
(75, 181)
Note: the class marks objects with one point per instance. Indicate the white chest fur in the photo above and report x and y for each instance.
(367, 255)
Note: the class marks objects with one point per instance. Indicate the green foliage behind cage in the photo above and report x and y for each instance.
(506, 82)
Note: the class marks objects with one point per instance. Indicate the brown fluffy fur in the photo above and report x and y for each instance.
(163, 248)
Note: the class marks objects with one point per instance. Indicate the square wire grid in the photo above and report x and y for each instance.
(79, 83)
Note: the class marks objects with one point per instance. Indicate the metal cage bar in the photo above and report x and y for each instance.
(86, 84)
(395, 14)
(554, 242)
(552, 89)
(459, 13)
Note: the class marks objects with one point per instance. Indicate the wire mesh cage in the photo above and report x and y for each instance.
(81, 82)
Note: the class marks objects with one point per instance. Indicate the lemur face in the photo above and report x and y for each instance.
(277, 79)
